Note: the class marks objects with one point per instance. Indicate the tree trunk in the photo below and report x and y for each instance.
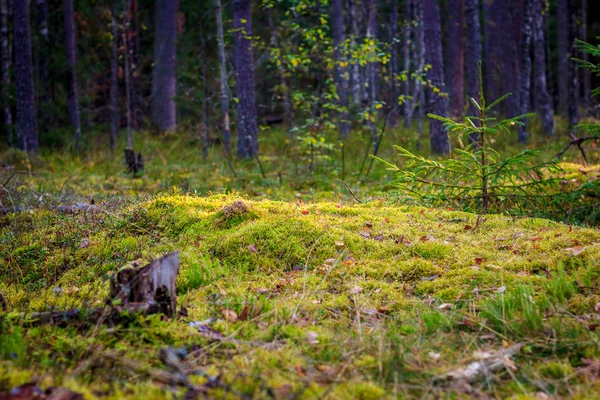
(573, 67)
(340, 70)
(164, 74)
(5, 70)
(440, 143)
(455, 57)
(586, 77)
(509, 62)
(204, 61)
(372, 73)
(419, 90)
(395, 63)
(133, 33)
(473, 52)
(492, 46)
(26, 115)
(127, 64)
(43, 61)
(71, 50)
(543, 99)
(223, 79)
(114, 79)
(564, 45)
(356, 86)
(525, 90)
(406, 46)
(247, 127)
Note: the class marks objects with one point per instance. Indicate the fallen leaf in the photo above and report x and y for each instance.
(229, 315)
(340, 243)
(312, 337)
(597, 308)
(84, 243)
(300, 371)
(433, 355)
(479, 260)
(427, 238)
(536, 238)
(379, 238)
(305, 212)
(575, 251)
(356, 290)
(252, 248)
(386, 220)
(488, 336)
(365, 234)
(501, 289)
(445, 306)
(468, 227)
(369, 225)
(348, 261)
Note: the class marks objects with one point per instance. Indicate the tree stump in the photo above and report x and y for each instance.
(152, 285)
(134, 162)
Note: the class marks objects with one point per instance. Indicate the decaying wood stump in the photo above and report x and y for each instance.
(153, 284)
(134, 162)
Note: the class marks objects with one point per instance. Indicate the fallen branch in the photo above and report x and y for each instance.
(488, 362)
(575, 141)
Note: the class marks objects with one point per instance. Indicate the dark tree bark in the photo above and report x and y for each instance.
(395, 63)
(71, 50)
(525, 90)
(26, 115)
(562, 29)
(509, 61)
(372, 72)
(455, 57)
(245, 88)
(114, 78)
(492, 29)
(473, 52)
(204, 61)
(440, 143)
(43, 59)
(356, 83)
(419, 90)
(127, 64)
(573, 68)
(543, 100)
(341, 81)
(5, 64)
(223, 80)
(164, 74)
(586, 77)
(134, 46)
(406, 47)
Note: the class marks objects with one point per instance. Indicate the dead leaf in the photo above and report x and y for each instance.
(445, 306)
(427, 238)
(433, 355)
(575, 251)
(340, 243)
(468, 227)
(597, 308)
(355, 290)
(305, 212)
(229, 315)
(369, 225)
(536, 238)
(84, 243)
(252, 248)
(301, 371)
(386, 220)
(365, 234)
(379, 238)
(348, 261)
(479, 260)
(501, 289)
(312, 337)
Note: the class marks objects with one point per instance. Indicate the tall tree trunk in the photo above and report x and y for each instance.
(127, 74)
(372, 73)
(204, 61)
(43, 61)
(419, 96)
(340, 72)
(223, 79)
(114, 78)
(473, 52)
(395, 63)
(283, 82)
(564, 45)
(26, 119)
(543, 99)
(525, 90)
(455, 57)
(134, 63)
(5, 64)
(509, 62)
(406, 46)
(573, 68)
(71, 50)
(586, 77)
(492, 29)
(440, 143)
(164, 74)
(247, 127)
(356, 86)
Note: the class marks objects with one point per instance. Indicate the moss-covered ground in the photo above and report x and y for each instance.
(317, 296)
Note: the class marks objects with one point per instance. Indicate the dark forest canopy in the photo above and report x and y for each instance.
(155, 64)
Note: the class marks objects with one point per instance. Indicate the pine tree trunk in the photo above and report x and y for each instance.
(26, 115)
(71, 50)
(164, 74)
(372, 73)
(247, 127)
(492, 46)
(395, 63)
(127, 74)
(406, 46)
(562, 27)
(419, 95)
(5, 65)
(455, 57)
(525, 90)
(356, 86)
(586, 77)
(114, 78)
(573, 68)
(543, 99)
(509, 62)
(340, 71)
(205, 78)
(43, 55)
(440, 143)
(223, 79)
(473, 52)
(134, 63)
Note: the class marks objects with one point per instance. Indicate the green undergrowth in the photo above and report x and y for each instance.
(320, 300)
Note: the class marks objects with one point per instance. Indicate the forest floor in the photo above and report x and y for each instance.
(292, 288)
